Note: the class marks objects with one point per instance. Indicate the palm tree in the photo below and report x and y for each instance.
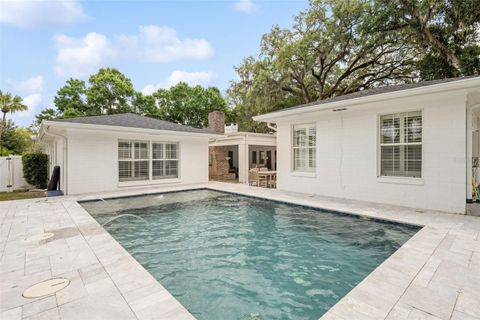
(9, 104)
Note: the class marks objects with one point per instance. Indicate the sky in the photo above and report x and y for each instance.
(155, 43)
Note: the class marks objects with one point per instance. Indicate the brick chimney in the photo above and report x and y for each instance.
(216, 121)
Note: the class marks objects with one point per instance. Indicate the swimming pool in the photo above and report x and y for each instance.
(225, 256)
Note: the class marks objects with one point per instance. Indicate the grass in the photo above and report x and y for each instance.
(20, 194)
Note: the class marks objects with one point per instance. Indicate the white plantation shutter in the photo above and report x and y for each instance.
(133, 160)
(304, 148)
(164, 160)
(401, 144)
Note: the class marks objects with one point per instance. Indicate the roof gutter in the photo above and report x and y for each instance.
(441, 87)
(84, 126)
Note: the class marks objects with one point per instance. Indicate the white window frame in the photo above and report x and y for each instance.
(150, 159)
(307, 170)
(132, 158)
(164, 159)
(392, 178)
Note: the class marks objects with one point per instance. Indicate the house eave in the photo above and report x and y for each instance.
(109, 128)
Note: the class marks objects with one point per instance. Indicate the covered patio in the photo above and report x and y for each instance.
(231, 157)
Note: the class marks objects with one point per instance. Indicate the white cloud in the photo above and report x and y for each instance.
(192, 78)
(78, 57)
(32, 92)
(32, 85)
(31, 13)
(33, 101)
(162, 44)
(245, 6)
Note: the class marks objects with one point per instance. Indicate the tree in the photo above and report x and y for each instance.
(337, 47)
(73, 95)
(445, 30)
(9, 104)
(188, 105)
(333, 48)
(15, 140)
(107, 92)
(110, 92)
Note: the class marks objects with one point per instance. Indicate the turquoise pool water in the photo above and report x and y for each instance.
(225, 256)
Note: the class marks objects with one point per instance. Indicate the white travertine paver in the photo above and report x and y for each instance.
(434, 275)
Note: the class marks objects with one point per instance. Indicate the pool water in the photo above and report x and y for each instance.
(225, 256)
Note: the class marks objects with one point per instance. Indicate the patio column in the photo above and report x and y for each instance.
(243, 162)
(469, 154)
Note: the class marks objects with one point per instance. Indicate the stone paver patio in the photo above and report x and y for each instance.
(435, 275)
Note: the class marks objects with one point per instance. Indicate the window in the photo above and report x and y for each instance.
(254, 156)
(164, 160)
(261, 155)
(304, 147)
(134, 160)
(401, 144)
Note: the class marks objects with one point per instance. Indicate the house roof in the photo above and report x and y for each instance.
(131, 120)
(365, 93)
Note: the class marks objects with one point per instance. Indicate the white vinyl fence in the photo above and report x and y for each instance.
(11, 174)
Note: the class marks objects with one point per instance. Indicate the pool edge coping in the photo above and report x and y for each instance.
(409, 243)
(355, 302)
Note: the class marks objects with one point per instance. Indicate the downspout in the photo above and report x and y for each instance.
(64, 155)
(269, 126)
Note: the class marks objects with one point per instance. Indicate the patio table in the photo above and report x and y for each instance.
(269, 175)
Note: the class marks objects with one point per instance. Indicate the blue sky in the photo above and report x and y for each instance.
(155, 43)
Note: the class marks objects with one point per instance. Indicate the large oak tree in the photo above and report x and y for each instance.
(338, 47)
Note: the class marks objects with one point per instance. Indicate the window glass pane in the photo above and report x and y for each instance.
(390, 164)
(311, 157)
(171, 168)
(157, 169)
(300, 137)
(157, 151)
(312, 137)
(413, 127)
(170, 151)
(124, 150)
(304, 151)
(390, 129)
(401, 152)
(262, 157)
(125, 171)
(254, 156)
(413, 161)
(141, 170)
(141, 150)
(297, 161)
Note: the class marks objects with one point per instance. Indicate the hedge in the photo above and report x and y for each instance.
(35, 169)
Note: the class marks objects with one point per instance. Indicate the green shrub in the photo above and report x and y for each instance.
(5, 152)
(35, 169)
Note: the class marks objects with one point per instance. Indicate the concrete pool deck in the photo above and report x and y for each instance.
(434, 275)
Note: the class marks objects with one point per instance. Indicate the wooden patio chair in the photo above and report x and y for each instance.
(255, 180)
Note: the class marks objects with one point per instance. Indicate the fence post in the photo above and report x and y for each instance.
(10, 173)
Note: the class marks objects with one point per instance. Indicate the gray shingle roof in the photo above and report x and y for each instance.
(379, 90)
(132, 120)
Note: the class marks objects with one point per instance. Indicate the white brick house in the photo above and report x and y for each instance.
(113, 152)
(409, 145)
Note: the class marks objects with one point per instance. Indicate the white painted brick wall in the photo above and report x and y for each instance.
(347, 155)
(93, 160)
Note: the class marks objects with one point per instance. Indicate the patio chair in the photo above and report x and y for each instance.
(272, 182)
(255, 180)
